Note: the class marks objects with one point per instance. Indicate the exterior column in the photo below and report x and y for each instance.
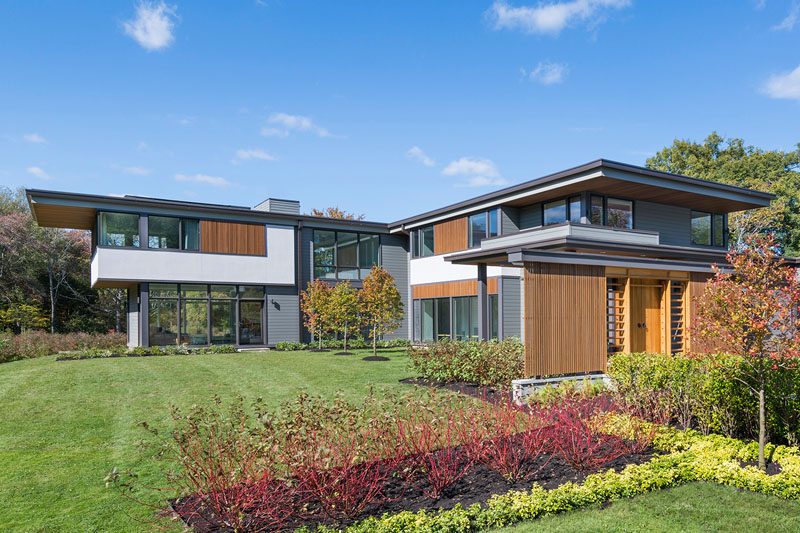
(483, 304)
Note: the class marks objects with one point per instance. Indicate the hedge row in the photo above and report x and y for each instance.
(492, 363)
(354, 344)
(691, 457)
(182, 349)
(702, 391)
(41, 343)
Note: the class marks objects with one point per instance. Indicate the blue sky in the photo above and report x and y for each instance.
(383, 108)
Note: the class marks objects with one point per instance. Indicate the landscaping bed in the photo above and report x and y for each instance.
(98, 353)
(481, 392)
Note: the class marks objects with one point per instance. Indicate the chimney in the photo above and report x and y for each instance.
(283, 207)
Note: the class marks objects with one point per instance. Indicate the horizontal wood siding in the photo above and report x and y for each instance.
(232, 238)
(450, 236)
(452, 288)
(565, 319)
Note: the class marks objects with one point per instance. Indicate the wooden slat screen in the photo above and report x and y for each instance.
(677, 316)
(452, 288)
(232, 238)
(450, 236)
(615, 303)
(565, 319)
(697, 285)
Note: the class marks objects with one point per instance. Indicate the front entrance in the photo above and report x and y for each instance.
(645, 318)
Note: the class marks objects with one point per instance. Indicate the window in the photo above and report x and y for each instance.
(191, 234)
(719, 230)
(701, 228)
(344, 254)
(163, 232)
(428, 321)
(596, 210)
(442, 318)
(575, 209)
(119, 229)
(555, 212)
(494, 325)
(426, 241)
(619, 213)
(432, 318)
(477, 229)
(205, 314)
(461, 321)
(494, 223)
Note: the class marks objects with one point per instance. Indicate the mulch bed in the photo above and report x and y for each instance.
(375, 358)
(489, 394)
(70, 358)
(772, 468)
(343, 353)
(477, 485)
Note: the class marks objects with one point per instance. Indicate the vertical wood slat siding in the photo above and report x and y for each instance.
(452, 288)
(450, 236)
(565, 319)
(697, 285)
(232, 238)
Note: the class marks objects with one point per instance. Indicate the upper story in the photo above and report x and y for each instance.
(600, 207)
(139, 239)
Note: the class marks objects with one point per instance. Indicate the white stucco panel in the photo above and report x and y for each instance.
(435, 269)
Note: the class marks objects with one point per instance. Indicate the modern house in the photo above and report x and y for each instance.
(596, 259)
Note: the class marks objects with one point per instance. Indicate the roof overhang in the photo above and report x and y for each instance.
(606, 177)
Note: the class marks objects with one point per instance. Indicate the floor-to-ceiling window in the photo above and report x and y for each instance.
(205, 314)
(433, 318)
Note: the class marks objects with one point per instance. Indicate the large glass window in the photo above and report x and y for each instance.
(119, 229)
(163, 323)
(442, 318)
(719, 230)
(461, 318)
(163, 290)
(575, 209)
(191, 234)
(494, 325)
(223, 320)
(344, 254)
(596, 210)
(428, 321)
(477, 229)
(324, 254)
(194, 321)
(368, 246)
(494, 223)
(619, 213)
(701, 228)
(163, 232)
(250, 320)
(555, 212)
(426, 241)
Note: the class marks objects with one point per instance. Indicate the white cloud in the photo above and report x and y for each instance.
(547, 73)
(791, 19)
(39, 173)
(479, 172)
(153, 25)
(203, 178)
(415, 152)
(287, 123)
(136, 171)
(785, 85)
(34, 138)
(244, 155)
(548, 18)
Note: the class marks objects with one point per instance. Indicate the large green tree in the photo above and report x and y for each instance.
(733, 162)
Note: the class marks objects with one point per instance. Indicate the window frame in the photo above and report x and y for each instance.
(488, 233)
(712, 227)
(417, 310)
(99, 225)
(605, 198)
(336, 266)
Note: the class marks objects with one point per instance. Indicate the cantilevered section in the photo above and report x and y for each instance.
(607, 177)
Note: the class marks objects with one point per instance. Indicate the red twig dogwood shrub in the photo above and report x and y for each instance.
(576, 433)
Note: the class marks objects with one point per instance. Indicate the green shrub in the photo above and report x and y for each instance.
(702, 391)
(493, 363)
(291, 346)
(215, 349)
(139, 350)
(40, 343)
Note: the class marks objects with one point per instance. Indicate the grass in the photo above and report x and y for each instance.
(65, 424)
(693, 507)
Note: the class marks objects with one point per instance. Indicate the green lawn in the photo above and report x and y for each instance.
(692, 507)
(64, 424)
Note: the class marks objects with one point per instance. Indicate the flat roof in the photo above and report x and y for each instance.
(747, 196)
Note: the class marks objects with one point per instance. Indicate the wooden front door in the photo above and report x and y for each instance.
(645, 325)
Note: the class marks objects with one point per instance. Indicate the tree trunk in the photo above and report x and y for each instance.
(345, 336)
(762, 427)
(118, 320)
(52, 302)
(319, 337)
(374, 339)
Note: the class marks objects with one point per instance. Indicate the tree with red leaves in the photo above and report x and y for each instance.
(750, 309)
(314, 301)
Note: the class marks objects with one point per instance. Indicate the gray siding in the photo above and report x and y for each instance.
(307, 254)
(273, 205)
(394, 258)
(283, 309)
(509, 220)
(530, 216)
(511, 300)
(671, 222)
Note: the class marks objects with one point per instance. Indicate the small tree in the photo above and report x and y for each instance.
(314, 301)
(751, 310)
(381, 306)
(344, 308)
